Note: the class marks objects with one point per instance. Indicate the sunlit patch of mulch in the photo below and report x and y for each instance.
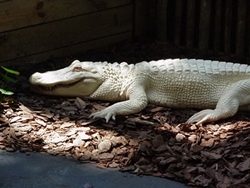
(154, 142)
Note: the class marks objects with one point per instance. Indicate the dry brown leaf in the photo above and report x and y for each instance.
(106, 156)
(133, 142)
(47, 113)
(54, 137)
(158, 140)
(192, 138)
(238, 144)
(139, 122)
(167, 161)
(243, 180)
(114, 165)
(80, 103)
(98, 107)
(207, 143)
(25, 109)
(245, 165)
(40, 122)
(14, 119)
(69, 108)
(78, 141)
(119, 140)
(161, 148)
(180, 137)
(211, 155)
(157, 109)
(104, 146)
(67, 125)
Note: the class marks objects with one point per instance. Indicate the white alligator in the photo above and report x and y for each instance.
(219, 88)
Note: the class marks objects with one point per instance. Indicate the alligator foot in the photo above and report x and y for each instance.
(207, 115)
(106, 113)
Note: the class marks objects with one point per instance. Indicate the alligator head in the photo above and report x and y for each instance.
(78, 79)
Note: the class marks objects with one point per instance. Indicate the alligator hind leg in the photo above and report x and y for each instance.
(227, 106)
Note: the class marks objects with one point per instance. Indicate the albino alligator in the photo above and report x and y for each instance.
(218, 87)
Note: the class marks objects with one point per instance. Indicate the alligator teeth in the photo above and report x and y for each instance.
(50, 88)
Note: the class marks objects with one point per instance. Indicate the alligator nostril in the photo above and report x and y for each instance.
(37, 75)
(34, 77)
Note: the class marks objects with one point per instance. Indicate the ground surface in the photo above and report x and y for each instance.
(155, 142)
(39, 170)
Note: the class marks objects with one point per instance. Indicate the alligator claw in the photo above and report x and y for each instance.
(203, 116)
(104, 114)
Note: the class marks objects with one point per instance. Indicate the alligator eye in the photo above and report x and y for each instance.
(77, 69)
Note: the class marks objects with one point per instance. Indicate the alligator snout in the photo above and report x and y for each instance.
(34, 77)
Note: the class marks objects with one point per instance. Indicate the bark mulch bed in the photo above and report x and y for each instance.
(155, 142)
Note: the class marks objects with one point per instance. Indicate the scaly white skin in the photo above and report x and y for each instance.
(218, 87)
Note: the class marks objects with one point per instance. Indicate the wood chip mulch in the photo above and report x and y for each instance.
(153, 142)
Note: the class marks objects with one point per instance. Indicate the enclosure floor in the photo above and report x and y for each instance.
(43, 170)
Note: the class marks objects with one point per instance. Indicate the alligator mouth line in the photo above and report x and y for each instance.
(53, 87)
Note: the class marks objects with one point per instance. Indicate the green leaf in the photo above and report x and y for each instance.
(8, 79)
(10, 71)
(6, 92)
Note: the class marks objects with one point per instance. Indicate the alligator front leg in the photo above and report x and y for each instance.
(227, 106)
(136, 102)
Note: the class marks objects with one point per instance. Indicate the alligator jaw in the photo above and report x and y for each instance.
(50, 88)
(61, 89)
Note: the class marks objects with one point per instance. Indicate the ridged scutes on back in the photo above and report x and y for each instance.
(198, 66)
